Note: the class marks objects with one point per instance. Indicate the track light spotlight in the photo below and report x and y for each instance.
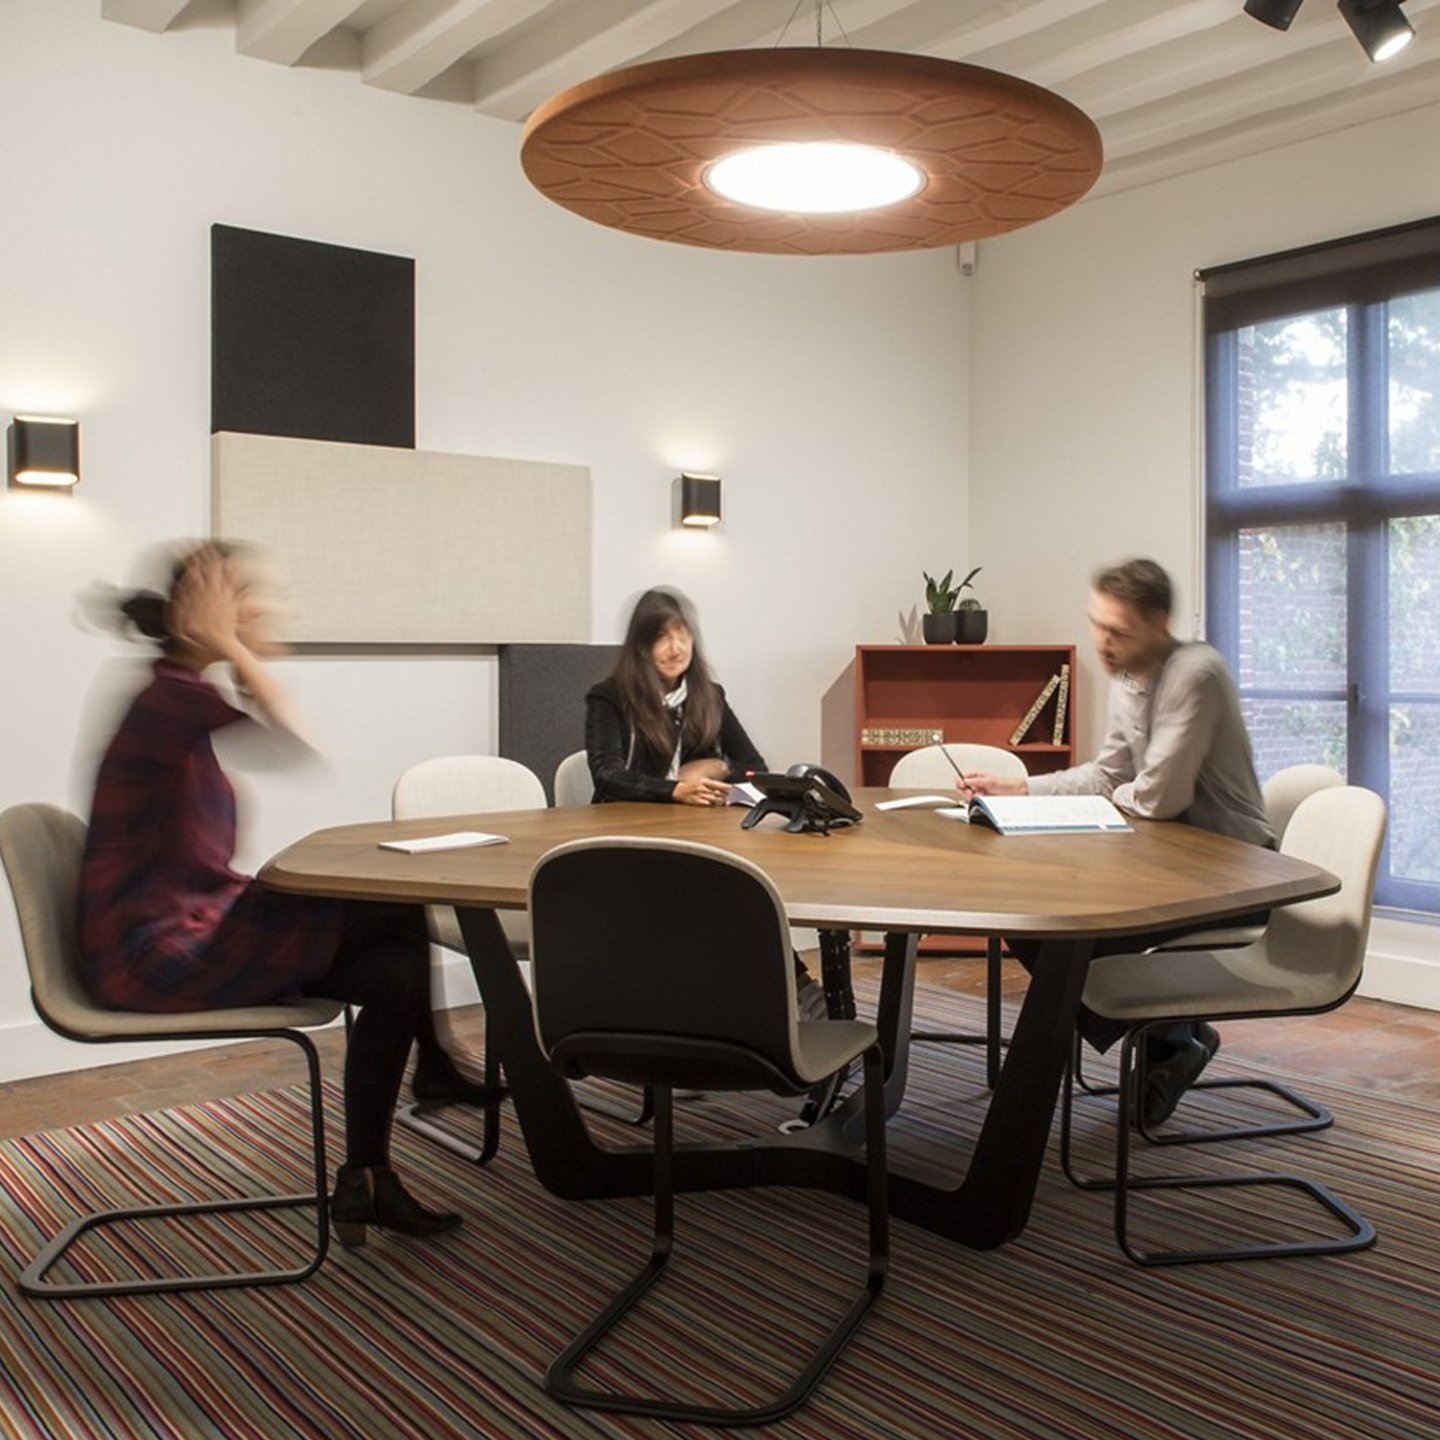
(1379, 26)
(1275, 13)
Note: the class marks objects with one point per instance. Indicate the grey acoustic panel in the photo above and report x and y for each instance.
(386, 546)
(542, 702)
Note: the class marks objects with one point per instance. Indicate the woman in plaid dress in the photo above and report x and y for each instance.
(166, 923)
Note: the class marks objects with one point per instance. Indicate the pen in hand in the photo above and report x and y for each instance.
(963, 784)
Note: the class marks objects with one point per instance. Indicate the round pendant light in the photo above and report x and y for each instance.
(755, 150)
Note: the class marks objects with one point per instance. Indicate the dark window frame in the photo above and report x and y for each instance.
(1362, 273)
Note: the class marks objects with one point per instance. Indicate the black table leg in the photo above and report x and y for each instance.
(989, 1207)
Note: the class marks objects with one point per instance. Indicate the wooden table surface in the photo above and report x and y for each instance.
(899, 870)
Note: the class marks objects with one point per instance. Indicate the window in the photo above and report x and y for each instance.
(1322, 400)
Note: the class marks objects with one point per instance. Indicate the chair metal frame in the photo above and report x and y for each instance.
(662, 1058)
(29, 826)
(1342, 920)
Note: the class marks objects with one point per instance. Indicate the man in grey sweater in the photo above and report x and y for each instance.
(1175, 748)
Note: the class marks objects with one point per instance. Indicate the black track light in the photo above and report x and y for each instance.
(1275, 13)
(1379, 26)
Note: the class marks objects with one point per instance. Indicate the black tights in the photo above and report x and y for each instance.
(382, 965)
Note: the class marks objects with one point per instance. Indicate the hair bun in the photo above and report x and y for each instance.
(145, 610)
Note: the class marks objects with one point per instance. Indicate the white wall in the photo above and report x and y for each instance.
(1084, 395)
(829, 394)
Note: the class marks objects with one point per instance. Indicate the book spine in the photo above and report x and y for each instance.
(1018, 734)
(1062, 697)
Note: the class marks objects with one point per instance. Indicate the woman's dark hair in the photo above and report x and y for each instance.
(148, 611)
(642, 691)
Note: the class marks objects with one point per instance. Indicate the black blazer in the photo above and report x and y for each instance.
(619, 776)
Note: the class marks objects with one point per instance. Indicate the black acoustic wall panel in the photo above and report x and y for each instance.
(311, 340)
(542, 702)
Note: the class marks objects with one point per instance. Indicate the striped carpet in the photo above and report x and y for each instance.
(1054, 1337)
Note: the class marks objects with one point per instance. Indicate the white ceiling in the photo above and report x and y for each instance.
(1173, 84)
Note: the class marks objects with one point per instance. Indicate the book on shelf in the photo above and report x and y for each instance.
(1036, 706)
(1040, 814)
(913, 735)
(1062, 698)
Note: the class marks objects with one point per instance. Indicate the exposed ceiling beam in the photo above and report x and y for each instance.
(578, 44)
(153, 15)
(422, 41)
(283, 30)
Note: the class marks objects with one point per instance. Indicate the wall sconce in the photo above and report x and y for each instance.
(699, 496)
(44, 452)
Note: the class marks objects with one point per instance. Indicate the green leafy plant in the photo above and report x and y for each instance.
(941, 596)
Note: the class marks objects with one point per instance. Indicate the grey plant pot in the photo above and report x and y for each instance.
(938, 629)
(971, 626)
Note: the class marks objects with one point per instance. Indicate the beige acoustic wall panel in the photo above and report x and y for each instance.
(389, 546)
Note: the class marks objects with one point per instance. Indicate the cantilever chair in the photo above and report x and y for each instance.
(573, 785)
(934, 767)
(668, 964)
(1308, 961)
(41, 846)
(1282, 793)
(457, 785)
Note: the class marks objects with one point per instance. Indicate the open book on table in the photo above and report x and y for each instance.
(1040, 814)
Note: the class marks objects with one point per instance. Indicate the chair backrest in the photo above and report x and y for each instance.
(928, 768)
(460, 784)
(41, 846)
(573, 784)
(662, 962)
(1285, 789)
(1322, 942)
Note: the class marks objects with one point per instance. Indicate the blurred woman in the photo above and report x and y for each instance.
(659, 727)
(166, 923)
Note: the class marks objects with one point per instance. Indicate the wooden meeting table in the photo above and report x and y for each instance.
(904, 872)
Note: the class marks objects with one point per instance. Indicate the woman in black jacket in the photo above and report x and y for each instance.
(659, 727)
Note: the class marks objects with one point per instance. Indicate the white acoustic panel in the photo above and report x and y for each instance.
(387, 546)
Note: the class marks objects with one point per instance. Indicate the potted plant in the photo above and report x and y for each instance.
(972, 620)
(939, 624)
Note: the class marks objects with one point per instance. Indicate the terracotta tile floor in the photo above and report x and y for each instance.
(1366, 1043)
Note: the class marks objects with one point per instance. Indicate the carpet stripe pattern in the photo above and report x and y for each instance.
(1053, 1338)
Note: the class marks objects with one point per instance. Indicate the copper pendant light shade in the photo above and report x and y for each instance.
(630, 149)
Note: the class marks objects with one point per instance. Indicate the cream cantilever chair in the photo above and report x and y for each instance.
(573, 785)
(1282, 792)
(625, 990)
(459, 785)
(41, 846)
(1308, 961)
(935, 768)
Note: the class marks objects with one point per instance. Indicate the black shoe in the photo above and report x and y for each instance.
(1208, 1036)
(1163, 1082)
(373, 1195)
(436, 1085)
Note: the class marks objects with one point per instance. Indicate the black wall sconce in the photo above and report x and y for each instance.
(43, 452)
(699, 500)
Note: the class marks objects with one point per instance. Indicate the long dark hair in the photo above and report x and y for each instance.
(642, 691)
(148, 611)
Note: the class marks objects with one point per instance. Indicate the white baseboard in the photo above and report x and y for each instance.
(1402, 966)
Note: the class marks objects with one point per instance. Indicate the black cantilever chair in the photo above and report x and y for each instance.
(668, 964)
(41, 846)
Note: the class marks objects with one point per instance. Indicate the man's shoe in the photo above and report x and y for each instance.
(1163, 1082)
(1208, 1036)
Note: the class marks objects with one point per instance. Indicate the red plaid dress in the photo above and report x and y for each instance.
(165, 923)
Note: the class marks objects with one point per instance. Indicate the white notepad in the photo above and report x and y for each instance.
(456, 840)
